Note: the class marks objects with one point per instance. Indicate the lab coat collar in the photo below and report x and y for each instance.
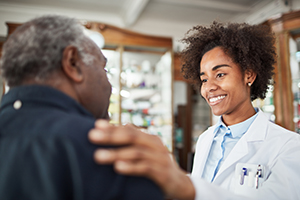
(256, 132)
(237, 130)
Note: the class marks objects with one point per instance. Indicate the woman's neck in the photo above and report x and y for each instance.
(240, 116)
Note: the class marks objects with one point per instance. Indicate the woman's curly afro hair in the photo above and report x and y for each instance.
(249, 46)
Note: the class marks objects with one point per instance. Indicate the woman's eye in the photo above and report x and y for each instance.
(203, 80)
(220, 75)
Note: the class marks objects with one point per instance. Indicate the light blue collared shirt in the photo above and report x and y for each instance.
(224, 140)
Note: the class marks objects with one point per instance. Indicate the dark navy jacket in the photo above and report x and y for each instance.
(45, 153)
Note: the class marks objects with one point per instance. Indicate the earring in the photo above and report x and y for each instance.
(249, 84)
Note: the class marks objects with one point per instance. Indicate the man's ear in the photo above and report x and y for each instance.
(71, 64)
(250, 76)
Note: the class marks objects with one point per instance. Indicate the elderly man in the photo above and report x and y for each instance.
(58, 87)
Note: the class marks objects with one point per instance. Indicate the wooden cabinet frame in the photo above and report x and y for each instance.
(283, 97)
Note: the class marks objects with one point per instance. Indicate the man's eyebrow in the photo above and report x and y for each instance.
(215, 68)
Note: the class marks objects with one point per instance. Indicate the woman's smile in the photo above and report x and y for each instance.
(216, 99)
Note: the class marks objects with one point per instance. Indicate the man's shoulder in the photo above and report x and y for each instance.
(44, 124)
(71, 123)
(71, 129)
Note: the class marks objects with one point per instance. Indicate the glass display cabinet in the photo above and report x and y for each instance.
(267, 105)
(140, 71)
(286, 89)
(294, 46)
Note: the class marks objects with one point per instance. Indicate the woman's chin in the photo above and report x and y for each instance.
(217, 112)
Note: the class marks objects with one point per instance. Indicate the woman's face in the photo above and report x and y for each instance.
(224, 87)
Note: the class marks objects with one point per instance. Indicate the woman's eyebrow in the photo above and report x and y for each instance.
(218, 66)
(215, 68)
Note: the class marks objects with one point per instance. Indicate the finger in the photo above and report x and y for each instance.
(139, 168)
(110, 136)
(154, 171)
(104, 156)
(102, 133)
(124, 135)
(101, 123)
(132, 168)
(130, 154)
(96, 135)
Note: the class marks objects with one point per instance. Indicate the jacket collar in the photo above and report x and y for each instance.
(257, 131)
(38, 95)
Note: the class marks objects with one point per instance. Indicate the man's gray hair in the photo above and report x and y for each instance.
(35, 49)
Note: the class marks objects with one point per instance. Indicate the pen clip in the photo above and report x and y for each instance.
(258, 175)
(243, 174)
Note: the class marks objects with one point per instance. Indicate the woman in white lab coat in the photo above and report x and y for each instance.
(243, 156)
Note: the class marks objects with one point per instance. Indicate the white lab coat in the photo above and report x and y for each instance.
(265, 143)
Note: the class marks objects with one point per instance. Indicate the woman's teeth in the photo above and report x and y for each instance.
(211, 100)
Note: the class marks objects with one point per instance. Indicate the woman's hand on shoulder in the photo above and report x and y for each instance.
(141, 154)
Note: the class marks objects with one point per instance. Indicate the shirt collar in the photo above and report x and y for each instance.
(219, 124)
(237, 130)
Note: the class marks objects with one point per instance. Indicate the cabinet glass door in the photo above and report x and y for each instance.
(146, 92)
(113, 73)
(267, 105)
(294, 44)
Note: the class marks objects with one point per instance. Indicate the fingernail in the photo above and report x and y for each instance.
(103, 154)
(121, 165)
(97, 135)
(101, 123)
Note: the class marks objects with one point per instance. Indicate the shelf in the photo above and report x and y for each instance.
(142, 92)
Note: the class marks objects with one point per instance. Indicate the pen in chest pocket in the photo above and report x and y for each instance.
(243, 174)
(257, 176)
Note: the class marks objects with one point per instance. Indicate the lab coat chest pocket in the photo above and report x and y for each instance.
(248, 178)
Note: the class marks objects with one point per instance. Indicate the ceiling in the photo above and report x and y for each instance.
(131, 11)
(157, 17)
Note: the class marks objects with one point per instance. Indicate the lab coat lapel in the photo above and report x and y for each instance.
(239, 151)
(256, 132)
(202, 150)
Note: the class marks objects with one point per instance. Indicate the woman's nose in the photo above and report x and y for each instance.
(210, 86)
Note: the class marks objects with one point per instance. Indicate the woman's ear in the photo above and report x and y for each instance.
(250, 77)
(71, 66)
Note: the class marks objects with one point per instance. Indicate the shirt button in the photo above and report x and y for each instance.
(17, 104)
